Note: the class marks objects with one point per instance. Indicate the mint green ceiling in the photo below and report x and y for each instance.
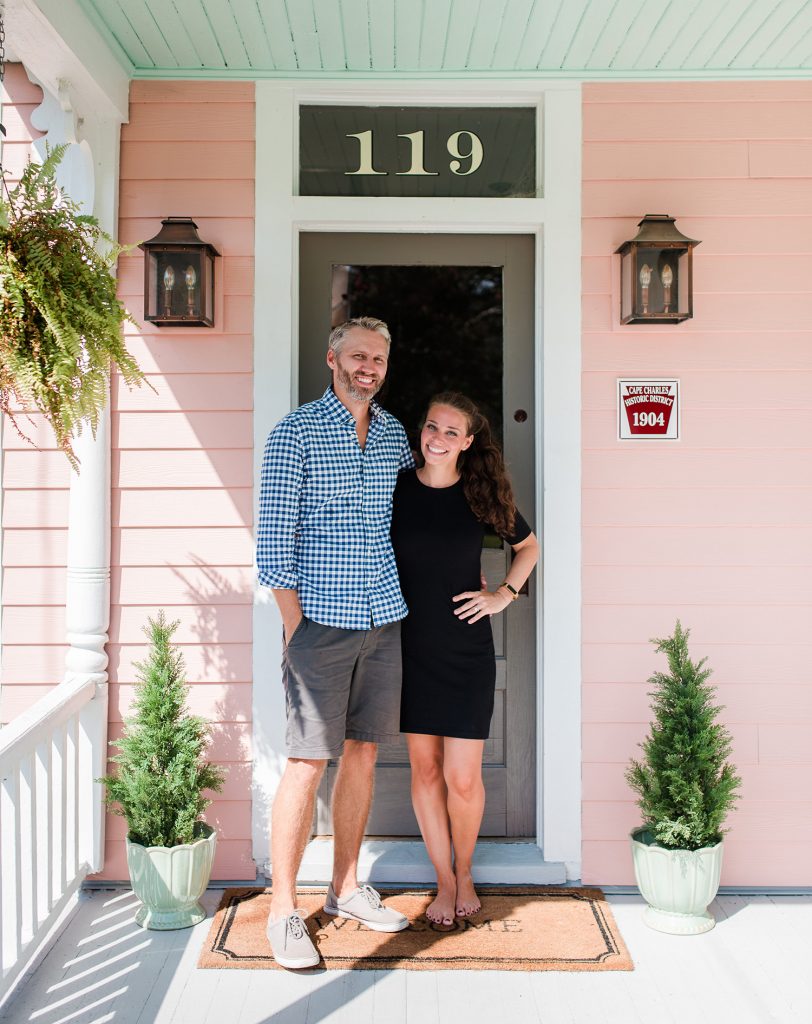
(583, 38)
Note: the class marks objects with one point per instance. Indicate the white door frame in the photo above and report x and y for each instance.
(555, 221)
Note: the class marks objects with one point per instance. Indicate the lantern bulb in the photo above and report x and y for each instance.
(667, 276)
(191, 277)
(645, 275)
(169, 278)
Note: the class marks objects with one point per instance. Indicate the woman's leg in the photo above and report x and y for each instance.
(462, 767)
(429, 796)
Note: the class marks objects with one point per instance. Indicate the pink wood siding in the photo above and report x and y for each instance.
(35, 496)
(183, 453)
(714, 529)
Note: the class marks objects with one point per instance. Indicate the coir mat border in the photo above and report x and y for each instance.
(217, 953)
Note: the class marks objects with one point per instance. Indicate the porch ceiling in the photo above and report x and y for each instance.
(576, 38)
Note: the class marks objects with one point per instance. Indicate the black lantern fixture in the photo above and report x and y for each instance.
(179, 276)
(656, 273)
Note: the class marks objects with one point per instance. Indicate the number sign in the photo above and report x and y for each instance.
(648, 409)
(417, 151)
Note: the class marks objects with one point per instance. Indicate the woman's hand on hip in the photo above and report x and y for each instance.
(479, 603)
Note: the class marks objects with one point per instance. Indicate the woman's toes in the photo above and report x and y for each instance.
(441, 910)
(468, 902)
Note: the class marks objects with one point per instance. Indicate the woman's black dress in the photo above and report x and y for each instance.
(449, 668)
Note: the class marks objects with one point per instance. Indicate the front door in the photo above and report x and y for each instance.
(460, 309)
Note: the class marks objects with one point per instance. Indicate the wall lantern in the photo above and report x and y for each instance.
(656, 273)
(179, 276)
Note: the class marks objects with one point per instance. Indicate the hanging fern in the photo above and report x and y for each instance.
(60, 318)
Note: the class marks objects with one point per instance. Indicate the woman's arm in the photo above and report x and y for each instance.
(482, 602)
(526, 554)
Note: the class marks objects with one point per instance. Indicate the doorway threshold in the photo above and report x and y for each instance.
(405, 862)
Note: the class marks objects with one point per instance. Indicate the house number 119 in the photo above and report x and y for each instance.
(464, 147)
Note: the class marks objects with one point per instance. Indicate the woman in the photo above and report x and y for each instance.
(440, 516)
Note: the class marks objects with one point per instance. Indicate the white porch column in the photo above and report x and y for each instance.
(89, 173)
(87, 606)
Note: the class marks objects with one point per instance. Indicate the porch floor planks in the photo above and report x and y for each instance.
(103, 968)
(422, 1001)
(389, 999)
(470, 996)
(771, 929)
(278, 997)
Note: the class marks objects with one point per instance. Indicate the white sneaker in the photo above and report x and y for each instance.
(364, 904)
(290, 943)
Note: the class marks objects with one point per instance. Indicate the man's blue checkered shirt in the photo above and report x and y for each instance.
(325, 508)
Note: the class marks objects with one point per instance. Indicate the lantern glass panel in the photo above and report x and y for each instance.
(650, 293)
(151, 285)
(208, 287)
(177, 284)
(683, 278)
(626, 291)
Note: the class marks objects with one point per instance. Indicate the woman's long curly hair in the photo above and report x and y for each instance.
(485, 480)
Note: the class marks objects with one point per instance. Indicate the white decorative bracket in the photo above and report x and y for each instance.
(62, 126)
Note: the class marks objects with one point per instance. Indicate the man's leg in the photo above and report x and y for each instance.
(352, 798)
(372, 716)
(291, 826)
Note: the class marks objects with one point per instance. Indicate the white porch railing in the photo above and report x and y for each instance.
(50, 814)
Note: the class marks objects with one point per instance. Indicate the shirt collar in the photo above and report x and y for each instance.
(336, 409)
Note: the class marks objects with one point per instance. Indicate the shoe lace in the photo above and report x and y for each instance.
(371, 896)
(296, 925)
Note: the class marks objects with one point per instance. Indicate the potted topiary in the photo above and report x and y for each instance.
(159, 789)
(686, 787)
(60, 318)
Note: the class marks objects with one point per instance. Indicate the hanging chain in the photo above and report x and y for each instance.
(2, 42)
(2, 53)
(3, 182)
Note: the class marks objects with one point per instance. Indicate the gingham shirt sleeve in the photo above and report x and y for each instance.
(406, 457)
(279, 505)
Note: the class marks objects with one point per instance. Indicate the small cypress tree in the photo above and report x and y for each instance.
(161, 772)
(685, 784)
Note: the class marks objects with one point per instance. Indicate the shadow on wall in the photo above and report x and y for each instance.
(238, 741)
(213, 596)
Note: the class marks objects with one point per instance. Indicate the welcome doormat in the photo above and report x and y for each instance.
(520, 928)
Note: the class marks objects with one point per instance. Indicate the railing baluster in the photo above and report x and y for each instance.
(71, 830)
(58, 875)
(44, 825)
(26, 872)
(92, 763)
(3, 929)
(9, 877)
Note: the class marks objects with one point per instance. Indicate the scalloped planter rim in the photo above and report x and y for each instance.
(678, 885)
(169, 881)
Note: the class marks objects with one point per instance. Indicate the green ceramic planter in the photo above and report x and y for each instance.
(169, 881)
(678, 885)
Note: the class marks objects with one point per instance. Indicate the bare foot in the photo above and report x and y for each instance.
(467, 899)
(441, 909)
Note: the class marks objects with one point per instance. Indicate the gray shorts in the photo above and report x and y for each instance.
(341, 684)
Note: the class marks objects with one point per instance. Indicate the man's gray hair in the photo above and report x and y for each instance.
(367, 323)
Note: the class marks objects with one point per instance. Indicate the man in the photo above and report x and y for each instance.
(323, 546)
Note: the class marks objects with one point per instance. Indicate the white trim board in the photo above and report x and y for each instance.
(555, 221)
(545, 78)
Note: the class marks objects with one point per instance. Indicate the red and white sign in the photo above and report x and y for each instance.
(648, 409)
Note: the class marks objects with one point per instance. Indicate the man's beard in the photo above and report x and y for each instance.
(357, 394)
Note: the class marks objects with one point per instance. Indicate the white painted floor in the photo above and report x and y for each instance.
(755, 966)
